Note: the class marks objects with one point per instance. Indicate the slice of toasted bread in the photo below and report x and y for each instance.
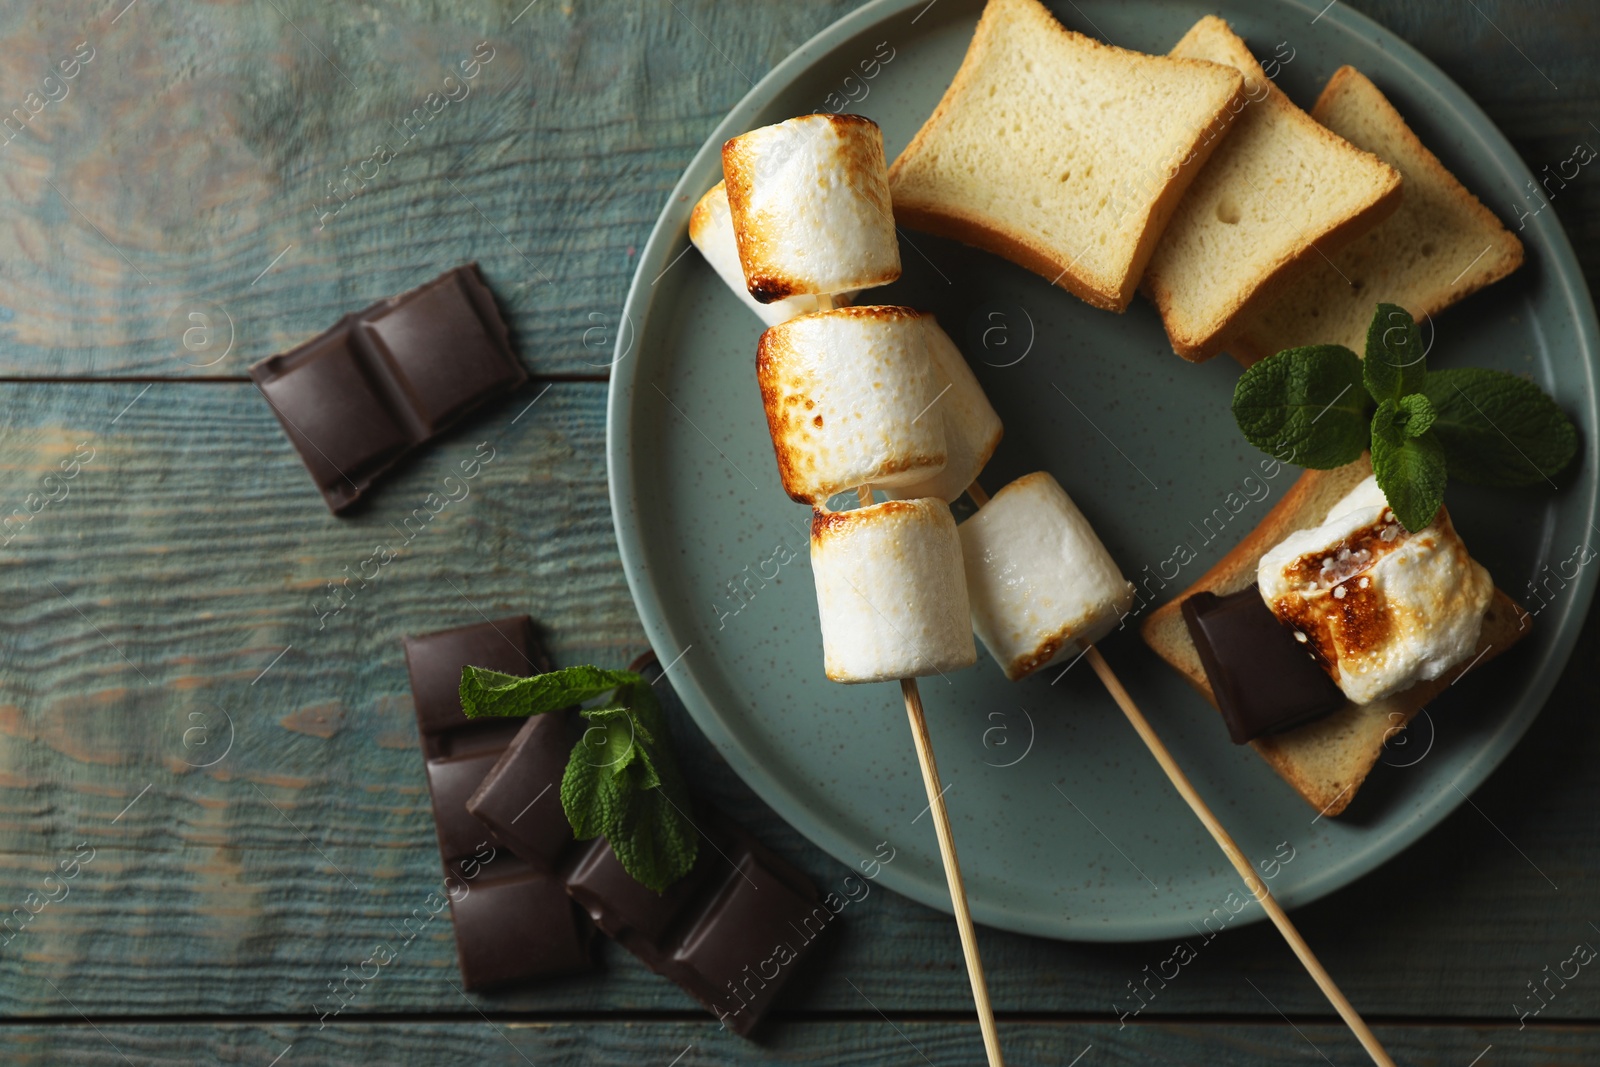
(1279, 194)
(1060, 153)
(1327, 760)
(1441, 245)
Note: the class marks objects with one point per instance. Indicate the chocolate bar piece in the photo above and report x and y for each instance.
(731, 932)
(356, 399)
(525, 777)
(513, 919)
(1263, 680)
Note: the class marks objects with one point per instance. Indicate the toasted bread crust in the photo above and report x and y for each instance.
(1357, 730)
(950, 220)
(1198, 346)
(1505, 251)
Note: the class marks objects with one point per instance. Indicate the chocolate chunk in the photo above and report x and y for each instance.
(518, 800)
(731, 933)
(740, 951)
(517, 927)
(513, 919)
(638, 917)
(509, 646)
(356, 399)
(1263, 679)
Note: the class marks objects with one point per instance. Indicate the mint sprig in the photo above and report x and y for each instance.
(1525, 441)
(1320, 407)
(622, 779)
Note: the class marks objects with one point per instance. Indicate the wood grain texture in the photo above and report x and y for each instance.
(192, 549)
(500, 1042)
(150, 591)
(200, 144)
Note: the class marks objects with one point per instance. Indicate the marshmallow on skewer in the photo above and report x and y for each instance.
(891, 594)
(971, 428)
(711, 230)
(848, 395)
(1041, 584)
(810, 204)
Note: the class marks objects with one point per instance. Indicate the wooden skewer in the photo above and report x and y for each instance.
(947, 853)
(952, 869)
(1257, 887)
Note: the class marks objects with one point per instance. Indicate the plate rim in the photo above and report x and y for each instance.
(670, 228)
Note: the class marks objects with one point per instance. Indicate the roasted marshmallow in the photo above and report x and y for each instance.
(890, 591)
(810, 205)
(971, 428)
(1041, 584)
(849, 396)
(1380, 608)
(711, 230)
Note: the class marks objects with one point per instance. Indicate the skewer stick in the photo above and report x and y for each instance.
(947, 853)
(1257, 887)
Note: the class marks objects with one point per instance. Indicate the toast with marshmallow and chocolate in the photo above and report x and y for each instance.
(1386, 615)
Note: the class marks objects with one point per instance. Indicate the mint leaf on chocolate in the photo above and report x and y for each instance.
(1411, 469)
(622, 780)
(1498, 429)
(1306, 406)
(490, 693)
(1396, 363)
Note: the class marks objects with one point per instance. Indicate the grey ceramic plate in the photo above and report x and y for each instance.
(1066, 827)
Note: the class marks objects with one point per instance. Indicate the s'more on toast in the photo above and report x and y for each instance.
(1392, 618)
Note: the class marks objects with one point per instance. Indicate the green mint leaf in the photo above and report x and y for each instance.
(589, 796)
(1419, 414)
(623, 782)
(1305, 406)
(1396, 361)
(490, 693)
(1498, 429)
(654, 840)
(1411, 470)
(611, 742)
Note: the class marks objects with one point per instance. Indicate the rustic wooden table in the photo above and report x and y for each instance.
(246, 774)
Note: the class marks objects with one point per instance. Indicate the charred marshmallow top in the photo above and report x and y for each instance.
(1381, 609)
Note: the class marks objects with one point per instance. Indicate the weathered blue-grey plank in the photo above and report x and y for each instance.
(272, 166)
(501, 1043)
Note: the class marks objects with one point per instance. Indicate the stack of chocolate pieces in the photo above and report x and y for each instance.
(357, 398)
(731, 932)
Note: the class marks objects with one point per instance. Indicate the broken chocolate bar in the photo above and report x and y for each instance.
(357, 398)
(512, 917)
(731, 932)
(1263, 680)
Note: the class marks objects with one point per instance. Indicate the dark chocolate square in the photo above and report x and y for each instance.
(356, 398)
(435, 661)
(518, 801)
(517, 927)
(451, 781)
(631, 913)
(1264, 681)
(334, 414)
(439, 348)
(748, 942)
